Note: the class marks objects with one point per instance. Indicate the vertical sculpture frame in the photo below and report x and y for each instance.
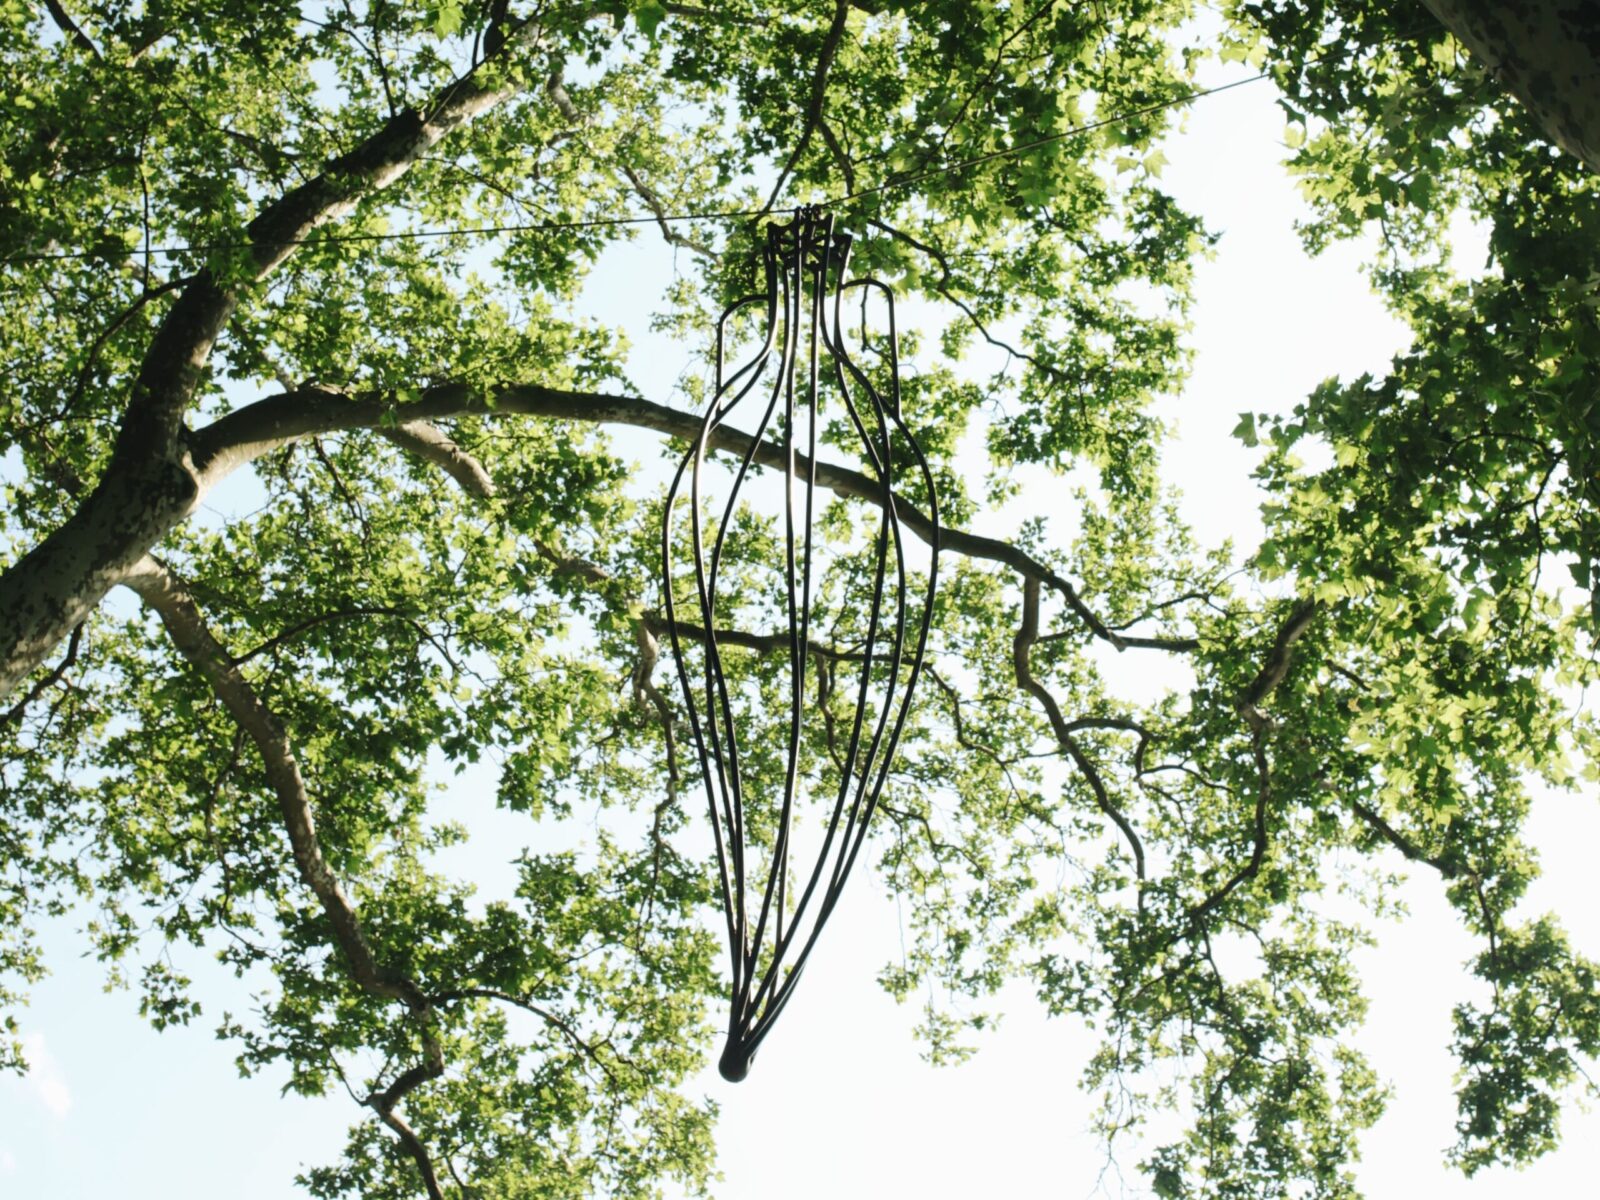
(773, 923)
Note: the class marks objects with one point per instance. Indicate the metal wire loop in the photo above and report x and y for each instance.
(774, 913)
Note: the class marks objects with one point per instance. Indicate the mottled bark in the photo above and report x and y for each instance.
(167, 596)
(150, 484)
(1546, 53)
(259, 428)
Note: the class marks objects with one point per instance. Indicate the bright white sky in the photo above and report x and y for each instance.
(839, 1103)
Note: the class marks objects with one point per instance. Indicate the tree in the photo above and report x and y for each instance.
(444, 561)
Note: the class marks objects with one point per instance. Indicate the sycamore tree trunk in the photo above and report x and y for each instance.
(1546, 53)
(151, 484)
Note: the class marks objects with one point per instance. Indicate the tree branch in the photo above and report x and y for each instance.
(70, 28)
(48, 682)
(943, 288)
(428, 442)
(819, 90)
(256, 429)
(840, 154)
(1277, 664)
(986, 83)
(148, 486)
(345, 614)
(383, 1103)
(165, 593)
(172, 367)
(696, 12)
(561, 1025)
(1258, 837)
(653, 202)
(557, 90)
(1027, 634)
(1401, 842)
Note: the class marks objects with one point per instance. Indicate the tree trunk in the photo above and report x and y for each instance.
(1546, 53)
(150, 484)
(57, 584)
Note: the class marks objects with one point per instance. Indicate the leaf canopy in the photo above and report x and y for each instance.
(221, 252)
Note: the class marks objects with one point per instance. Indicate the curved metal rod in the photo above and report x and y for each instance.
(879, 459)
(718, 410)
(870, 788)
(805, 265)
(799, 615)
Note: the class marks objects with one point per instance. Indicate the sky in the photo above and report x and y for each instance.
(839, 1103)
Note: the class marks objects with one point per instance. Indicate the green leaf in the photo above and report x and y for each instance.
(448, 19)
(650, 14)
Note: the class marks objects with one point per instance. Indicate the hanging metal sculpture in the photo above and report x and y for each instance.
(775, 911)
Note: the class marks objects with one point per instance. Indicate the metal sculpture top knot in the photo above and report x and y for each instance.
(755, 784)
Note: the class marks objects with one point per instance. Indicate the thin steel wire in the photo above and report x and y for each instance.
(773, 921)
(652, 218)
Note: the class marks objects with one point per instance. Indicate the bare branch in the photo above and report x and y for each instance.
(556, 87)
(49, 681)
(258, 428)
(653, 202)
(590, 1050)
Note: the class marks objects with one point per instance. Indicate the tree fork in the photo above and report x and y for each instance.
(150, 484)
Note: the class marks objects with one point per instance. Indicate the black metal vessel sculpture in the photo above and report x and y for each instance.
(775, 911)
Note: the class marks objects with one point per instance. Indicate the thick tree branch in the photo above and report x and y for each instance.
(72, 30)
(148, 486)
(383, 1103)
(1277, 664)
(173, 365)
(1547, 56)
(259, 428)
(166, 595)
(428, 442)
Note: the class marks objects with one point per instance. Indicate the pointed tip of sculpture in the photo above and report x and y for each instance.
(735, 1062)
